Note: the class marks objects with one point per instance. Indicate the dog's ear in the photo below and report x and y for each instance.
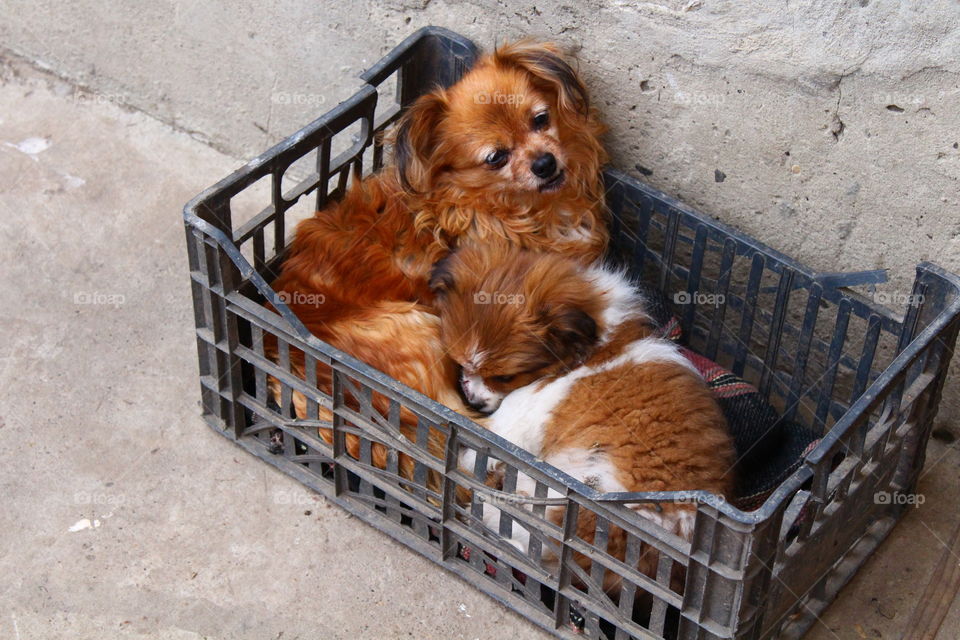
(416, 140)
(544, 62)
(571, 332)
(441, 277)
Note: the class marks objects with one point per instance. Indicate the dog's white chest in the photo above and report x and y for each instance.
(523, 414)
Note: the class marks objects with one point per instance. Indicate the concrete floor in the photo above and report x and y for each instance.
(129, 517)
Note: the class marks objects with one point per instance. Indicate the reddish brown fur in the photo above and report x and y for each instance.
(368, 257)
(657, 422)
(346, 267)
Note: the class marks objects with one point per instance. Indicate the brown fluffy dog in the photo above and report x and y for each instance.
(510, 152)
(564, 359)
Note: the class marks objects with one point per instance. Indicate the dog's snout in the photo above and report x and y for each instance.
(477, 395)
(544, 166)
(469, 393)
(467, 387)
(478, 406)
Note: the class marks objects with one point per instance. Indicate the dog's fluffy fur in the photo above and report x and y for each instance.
(464, 168)
(566, 362)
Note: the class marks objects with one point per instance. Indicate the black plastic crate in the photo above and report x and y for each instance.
(864, 376)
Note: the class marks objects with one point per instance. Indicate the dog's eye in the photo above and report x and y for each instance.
(498, 158)
(541, 120)
(503, 379)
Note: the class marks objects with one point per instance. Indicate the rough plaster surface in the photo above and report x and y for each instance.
(830, 130)
(826, 130)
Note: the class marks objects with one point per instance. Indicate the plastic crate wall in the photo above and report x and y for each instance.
(866, 377)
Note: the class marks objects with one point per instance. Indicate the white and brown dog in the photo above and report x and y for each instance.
(566, 363)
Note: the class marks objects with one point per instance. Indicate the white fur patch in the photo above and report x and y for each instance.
(475, 360)
(654, 350)
(622, 301)
(468, 460)
(592, 468)
(519, 536)
(684, 523)
(524, 412)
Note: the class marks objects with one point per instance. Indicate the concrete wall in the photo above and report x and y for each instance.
(827, 128)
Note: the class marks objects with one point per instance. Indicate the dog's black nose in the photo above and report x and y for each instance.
(478, 405)
(544, 166)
